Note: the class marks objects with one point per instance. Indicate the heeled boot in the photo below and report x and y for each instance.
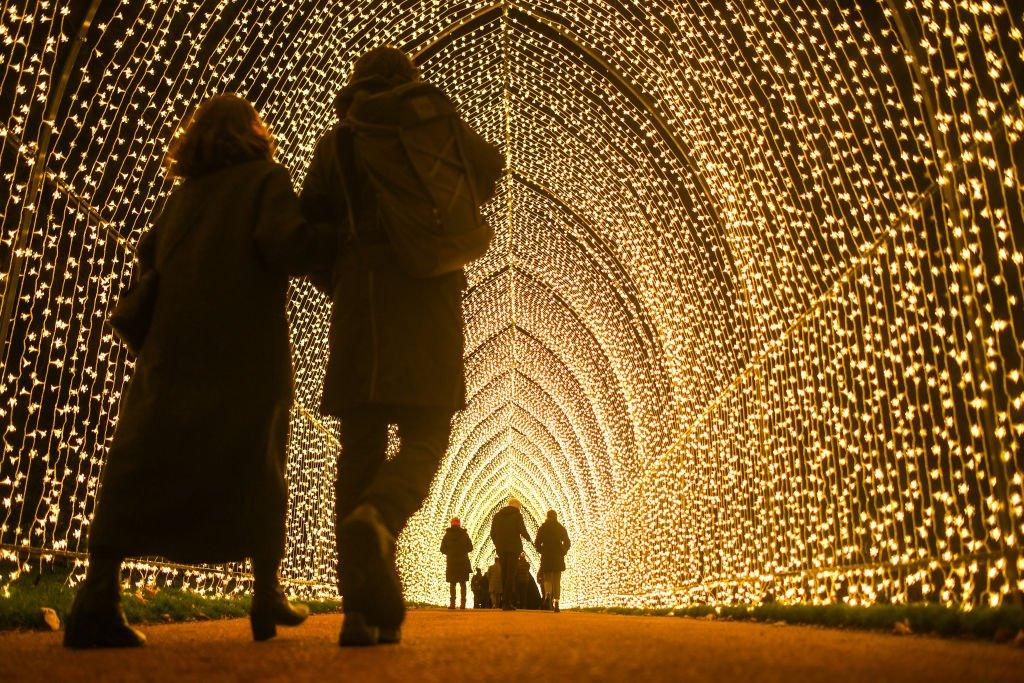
(270, 608)
(96, 619)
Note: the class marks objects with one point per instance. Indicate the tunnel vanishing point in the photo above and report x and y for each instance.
(753, 322)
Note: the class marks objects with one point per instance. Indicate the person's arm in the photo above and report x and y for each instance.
(287, 241)
(469, 543)
(536, 541)
(566, 543)
(319, 189)
(444, 544)
(523, 532)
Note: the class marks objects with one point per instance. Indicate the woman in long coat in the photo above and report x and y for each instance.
(456, 546)
(552, 543)
(195, 471)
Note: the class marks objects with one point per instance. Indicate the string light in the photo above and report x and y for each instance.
(752, 322)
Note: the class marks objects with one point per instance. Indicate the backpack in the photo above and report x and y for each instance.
(430, 173)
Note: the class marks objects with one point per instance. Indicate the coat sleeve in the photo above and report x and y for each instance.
(469, 543)
(319, 190)
(444, 544)
(288, 242)
(566, 543)
(522, 530)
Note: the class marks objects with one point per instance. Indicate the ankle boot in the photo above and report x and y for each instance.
(97, 620)
(357, 632)
(272, 609)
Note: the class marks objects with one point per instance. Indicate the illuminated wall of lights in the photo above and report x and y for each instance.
(753, 322)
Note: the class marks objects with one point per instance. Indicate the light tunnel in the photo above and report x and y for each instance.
(752, 323)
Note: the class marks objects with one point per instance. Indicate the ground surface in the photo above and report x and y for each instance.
(520, 647)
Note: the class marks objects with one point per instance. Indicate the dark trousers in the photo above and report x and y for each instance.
(509, 563)
(396, 487)
(462, 587)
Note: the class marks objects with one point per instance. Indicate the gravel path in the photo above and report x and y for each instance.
(521, 647)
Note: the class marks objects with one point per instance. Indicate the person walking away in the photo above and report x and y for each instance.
(495, 584)
(478, 585)
(507, 531)
(406, 177)
(196, 469)
(456, 547)
(552, 543)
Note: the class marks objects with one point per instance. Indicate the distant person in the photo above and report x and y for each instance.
(196, 469)
(396, 337)
(527, 593)
(507, 531)
(456, 547)
(478, 584)
(552, 543)
(495, 584)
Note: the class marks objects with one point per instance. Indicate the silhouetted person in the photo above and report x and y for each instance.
(196, 468)
(508, 531)
(396, 337)
(478, 584)
(495, 584)
(552, 543)
(456, 547)
(527, 593)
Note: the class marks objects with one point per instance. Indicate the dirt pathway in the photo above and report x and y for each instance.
(522, 647)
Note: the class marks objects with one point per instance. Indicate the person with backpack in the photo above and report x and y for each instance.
(196, 469)
(406, 178)
(456, 546)
(552, 543)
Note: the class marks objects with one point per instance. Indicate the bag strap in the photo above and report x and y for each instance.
(346, 167)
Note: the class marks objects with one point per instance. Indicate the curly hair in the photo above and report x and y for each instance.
(385, 62)
(223, 131)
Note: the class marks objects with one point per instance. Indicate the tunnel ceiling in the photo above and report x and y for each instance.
(751, 322)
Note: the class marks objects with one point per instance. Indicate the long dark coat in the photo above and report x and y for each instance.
(195, 471)
(552, 543)
(456, 547)
(395, 340)
(507, 530)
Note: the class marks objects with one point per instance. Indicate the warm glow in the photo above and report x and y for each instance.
(752, 323)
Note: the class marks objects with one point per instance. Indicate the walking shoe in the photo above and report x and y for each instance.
(93, 623)
(389, 635)
(370, 583)
(272, 610)
(356, 632)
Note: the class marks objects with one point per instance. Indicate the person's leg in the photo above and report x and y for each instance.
(96, 618)
(509, 577)
(364, 434)
(556, 589)
(402, 484)
(451, 594)
(462, 595)
(270, 607)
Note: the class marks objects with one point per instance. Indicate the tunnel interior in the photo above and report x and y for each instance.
(751, 323)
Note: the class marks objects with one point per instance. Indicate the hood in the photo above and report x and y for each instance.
(373, 84)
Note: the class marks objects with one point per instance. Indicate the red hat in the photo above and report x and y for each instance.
(455, 521)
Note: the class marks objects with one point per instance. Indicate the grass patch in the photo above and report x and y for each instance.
(31, 592)
(982, 622)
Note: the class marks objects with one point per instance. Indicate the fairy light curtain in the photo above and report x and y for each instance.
(752, 323)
